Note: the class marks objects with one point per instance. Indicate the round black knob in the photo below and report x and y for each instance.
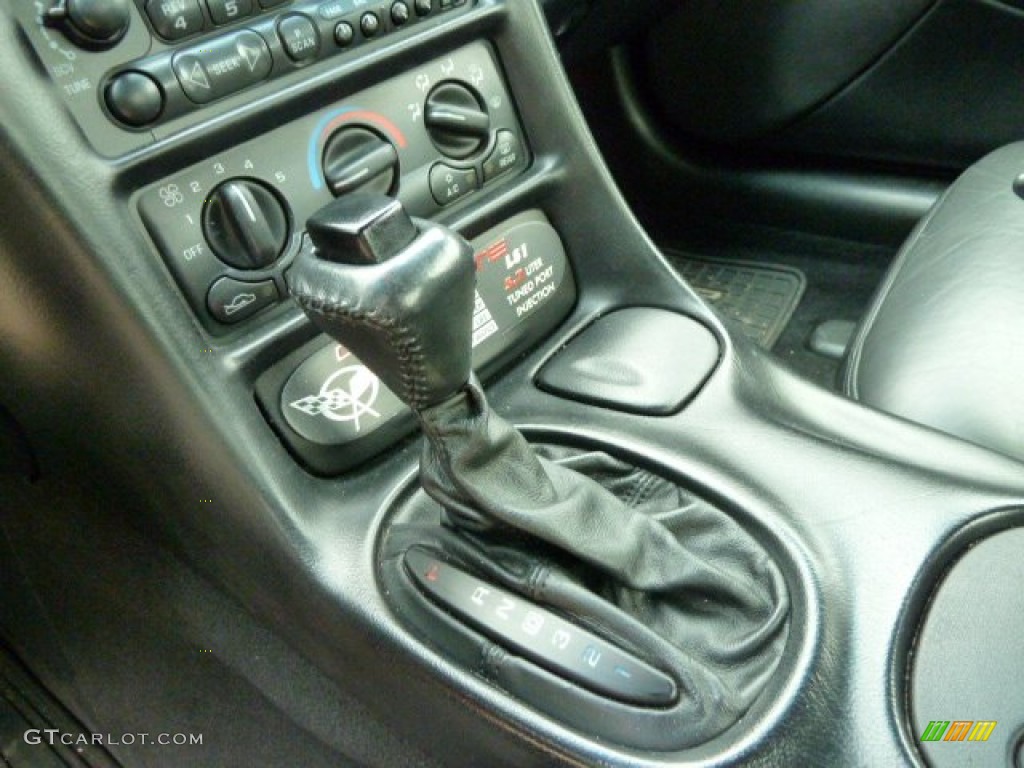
(134, 98)
(245, 224)
(94, 24)
(358, 158)
(456, 120)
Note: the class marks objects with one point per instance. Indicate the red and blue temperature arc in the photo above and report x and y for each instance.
(335, 119)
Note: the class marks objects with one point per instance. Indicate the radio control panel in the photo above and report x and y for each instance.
(229, 227)
(131, 71)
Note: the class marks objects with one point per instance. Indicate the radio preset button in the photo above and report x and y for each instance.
(423, 7)
(225, 11)
(299, 37)
(175, 19)
(222, 66)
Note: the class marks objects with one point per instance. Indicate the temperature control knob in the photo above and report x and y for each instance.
(455, 119)
(358, 158)
(94, 24)
(245, 224)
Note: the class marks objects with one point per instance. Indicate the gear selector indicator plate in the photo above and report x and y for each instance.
(560, 646)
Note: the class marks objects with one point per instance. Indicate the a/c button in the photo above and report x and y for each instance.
(449, 184)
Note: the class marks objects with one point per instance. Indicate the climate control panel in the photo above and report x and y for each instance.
(230, 226)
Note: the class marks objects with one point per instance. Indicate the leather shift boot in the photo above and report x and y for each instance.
(627, 554)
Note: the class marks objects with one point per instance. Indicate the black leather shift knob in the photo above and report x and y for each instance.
(397, 294)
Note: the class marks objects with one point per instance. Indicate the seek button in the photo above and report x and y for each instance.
(222, 66)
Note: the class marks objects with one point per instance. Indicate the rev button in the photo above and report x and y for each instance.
(222, 66)
(175, 19)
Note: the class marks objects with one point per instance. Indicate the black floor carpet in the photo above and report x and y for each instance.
(841, 277)
(26, 712)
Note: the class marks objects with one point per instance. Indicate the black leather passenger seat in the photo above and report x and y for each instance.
(943, 341)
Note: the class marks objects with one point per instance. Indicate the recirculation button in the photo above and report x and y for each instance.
(504, 157)
(230, 301)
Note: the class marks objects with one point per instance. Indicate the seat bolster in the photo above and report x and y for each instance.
(942, 343)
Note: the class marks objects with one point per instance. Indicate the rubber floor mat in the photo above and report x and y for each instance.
(758, 299)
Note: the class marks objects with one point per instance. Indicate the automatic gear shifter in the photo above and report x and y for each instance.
(655, 571)
(400, 299)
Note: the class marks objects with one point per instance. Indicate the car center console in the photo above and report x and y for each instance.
(185, 144)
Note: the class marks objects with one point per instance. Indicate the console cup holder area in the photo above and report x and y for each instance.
(966, 683)
(667, 668)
